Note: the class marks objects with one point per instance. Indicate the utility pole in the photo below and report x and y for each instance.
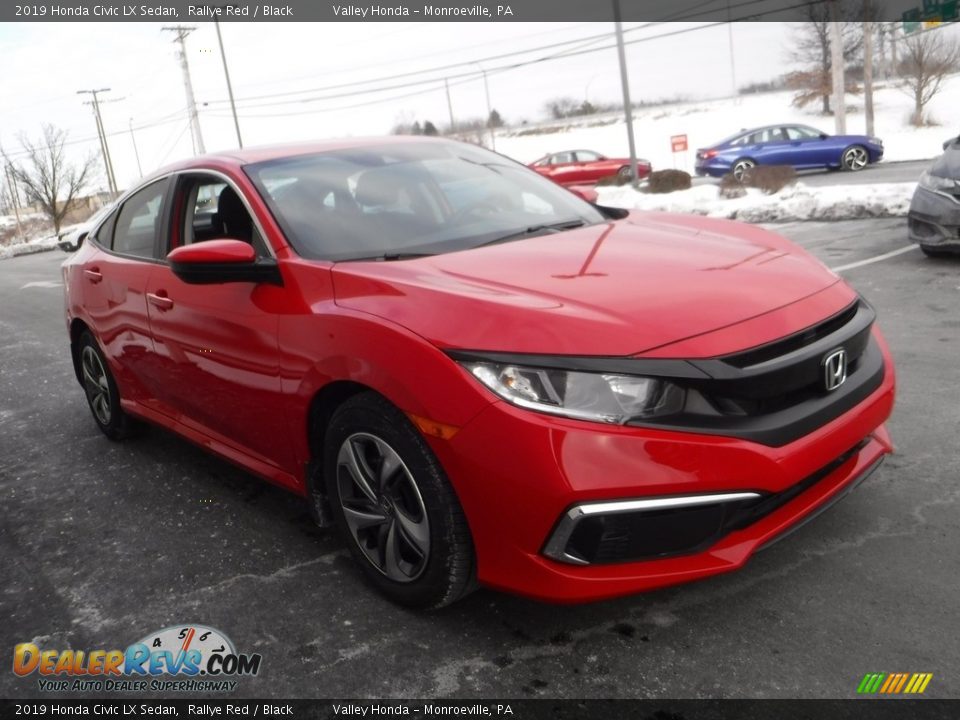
(104, 147)
(446, 85)
(182, 31)
(733, 67)
(868, 74)
(226, 72)
(486, 90)
(836, 62)
(136, 153)
(625, 83)
(14, 195)
(894, 66)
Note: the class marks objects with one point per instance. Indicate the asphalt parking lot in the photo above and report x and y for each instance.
(102, 543)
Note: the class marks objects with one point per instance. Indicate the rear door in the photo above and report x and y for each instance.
(114, 280)
(216, 345)
(775, 147)
(563, 168)
(591, 167)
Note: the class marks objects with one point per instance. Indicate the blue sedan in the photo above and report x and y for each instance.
(805, 148)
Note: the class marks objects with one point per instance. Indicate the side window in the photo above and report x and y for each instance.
(213, 210)
(564, 157)
(104, 234)
(138, 222)
(587, 156)
(798, 132)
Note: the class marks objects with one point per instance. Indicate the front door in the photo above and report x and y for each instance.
(217, 343)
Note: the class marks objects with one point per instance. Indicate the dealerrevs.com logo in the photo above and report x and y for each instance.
(181, 658)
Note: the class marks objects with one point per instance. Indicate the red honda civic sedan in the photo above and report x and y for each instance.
(477, 376)
(582, 167)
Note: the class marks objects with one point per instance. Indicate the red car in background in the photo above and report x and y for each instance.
(476, 375)
(582, 167)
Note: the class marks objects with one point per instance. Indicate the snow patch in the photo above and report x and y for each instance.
(33, 245)
(796, 202)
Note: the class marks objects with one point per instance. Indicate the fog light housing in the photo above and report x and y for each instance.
(643, 529)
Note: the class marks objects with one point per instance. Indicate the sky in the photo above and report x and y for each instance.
(278, 71)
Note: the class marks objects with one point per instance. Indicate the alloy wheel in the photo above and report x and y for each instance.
(96, 385)
(855, 158)
(383, 507)
(741, 167)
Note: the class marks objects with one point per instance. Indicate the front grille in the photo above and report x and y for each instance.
(794, 342)
(599, 539)
(775, 393)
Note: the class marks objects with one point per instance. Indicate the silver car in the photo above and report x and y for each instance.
(934, 217)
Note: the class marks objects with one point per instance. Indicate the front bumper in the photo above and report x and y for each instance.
(934, 220)
(517, 473)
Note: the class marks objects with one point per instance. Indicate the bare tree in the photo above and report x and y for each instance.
(46, 177)
(811, 50)
(927, 58)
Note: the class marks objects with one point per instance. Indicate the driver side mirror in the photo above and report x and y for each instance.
(222, 261)
(823, 136)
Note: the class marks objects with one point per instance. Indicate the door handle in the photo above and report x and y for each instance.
(160, 301)
(93, 275)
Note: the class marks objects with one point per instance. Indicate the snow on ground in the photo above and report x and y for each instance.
(793, 203)
(709, 121)
(35, 244)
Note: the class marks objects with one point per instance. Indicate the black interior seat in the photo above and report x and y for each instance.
(232, 216)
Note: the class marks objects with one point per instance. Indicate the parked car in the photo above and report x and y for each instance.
(804, 148)
(580, 167)
(934, 217)
(517, 389)
(72, 238)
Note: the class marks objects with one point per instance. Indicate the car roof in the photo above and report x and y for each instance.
(247, 156)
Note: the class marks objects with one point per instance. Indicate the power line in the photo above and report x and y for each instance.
(165, 120)
(434, 71)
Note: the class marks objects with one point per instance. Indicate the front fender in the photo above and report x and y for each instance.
(348, 345)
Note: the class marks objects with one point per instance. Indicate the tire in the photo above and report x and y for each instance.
(855, 158)
(405, 528)
(934, 252)
(624, 175)
(103, 397)
(741, 166)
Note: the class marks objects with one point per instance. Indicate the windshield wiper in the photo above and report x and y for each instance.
(534, 229)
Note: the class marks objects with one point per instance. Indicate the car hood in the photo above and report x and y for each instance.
(617, 288)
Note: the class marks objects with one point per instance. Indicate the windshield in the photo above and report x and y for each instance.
(409, 198)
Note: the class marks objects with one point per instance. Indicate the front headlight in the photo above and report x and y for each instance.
(935, 182)
(580, 395)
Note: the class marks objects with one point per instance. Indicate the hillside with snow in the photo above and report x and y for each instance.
(708, 121)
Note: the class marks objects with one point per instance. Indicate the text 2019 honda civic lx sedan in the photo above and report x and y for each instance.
(478, 376)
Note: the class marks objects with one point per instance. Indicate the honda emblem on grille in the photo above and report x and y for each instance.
(835, 369)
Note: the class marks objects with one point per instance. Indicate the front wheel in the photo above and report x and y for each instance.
(624, 175)
(395, 507)
(855, 158)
